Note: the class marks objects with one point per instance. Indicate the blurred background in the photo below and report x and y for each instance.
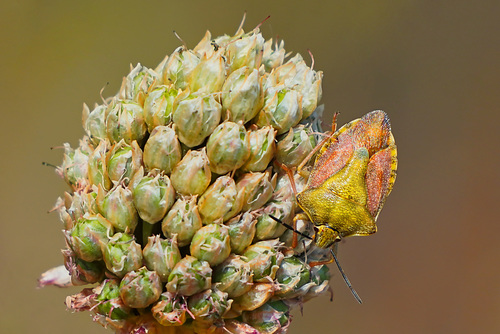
(433, 66)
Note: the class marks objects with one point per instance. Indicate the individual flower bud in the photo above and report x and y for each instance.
(82, 272)
(98, 172)
(282, 109)
(257, 296)
(189, 276)
(220, 200)
(242, 95)
(245, 51)
(137, 83)
(161, 255)
(209, 74)
(262, 149)
(297, 75)
(122, 254)
(264, 260)
(76, 206)
(93, 123)
(86, 237)
(233, 276)
(153, 196)
(162, 150)
(125, 120)
(320, 276)
(183, 220)
(209, 305)
(140, 288)
(241, 232)
(192, 175)
(158, 106)
(74, 168)
(211, 243)
(118, 207)
(257, 189)
(179, 67)
(170, 310)
(109, 302)
(293, 148)
(268, 228)
(228, 147)
(123, 161)
(273, 317)
(273, 58)
(293, 278)
(195, 117)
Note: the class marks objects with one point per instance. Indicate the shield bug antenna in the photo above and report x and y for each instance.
(344, 276)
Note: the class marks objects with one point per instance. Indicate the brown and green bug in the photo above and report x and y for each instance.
(353, 173)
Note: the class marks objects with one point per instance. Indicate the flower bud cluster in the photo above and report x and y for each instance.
(173, 188)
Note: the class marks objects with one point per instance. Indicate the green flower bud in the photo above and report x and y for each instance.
(241, 232)
(140, 288)
(122, 254)
(233, 276)
(195, 117)
(86, 237)
(98, 173)
(158, 106)
(170, 310)
(262, 149)
(125, 120)
(257, 189)
(183, 220)
(320, 276)
(74, 168)
(234, 326)
(138, 83)
(162, 150)
(282, 109)
(179, 67)
(209, 305)
(123, 161)
(109, 302)
(297, 75)
(189, 276)
(268, 228)
(257, 296)
(161, 255)
(220, 200)
(191, 176)
(293, 276)
(264, 260)
(228, 147)
(273, 317)
(82, 272)
(295, 146)
(273, 58)
(242, 95)
(211, 243)
(245, 51)
(118, 207)
(93, 123)
(209, 74)
(153, 196)
(75, 206)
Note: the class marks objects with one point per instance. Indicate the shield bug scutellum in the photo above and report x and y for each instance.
(353, 173)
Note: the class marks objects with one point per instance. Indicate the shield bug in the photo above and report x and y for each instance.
(353, 173)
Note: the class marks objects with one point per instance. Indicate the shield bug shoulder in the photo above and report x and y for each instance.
(353, 173)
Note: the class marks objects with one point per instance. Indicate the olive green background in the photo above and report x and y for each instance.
(433, 66)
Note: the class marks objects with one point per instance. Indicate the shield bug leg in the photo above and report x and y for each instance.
(300, 168)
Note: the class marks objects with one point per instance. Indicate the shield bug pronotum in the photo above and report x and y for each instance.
(353, 173)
